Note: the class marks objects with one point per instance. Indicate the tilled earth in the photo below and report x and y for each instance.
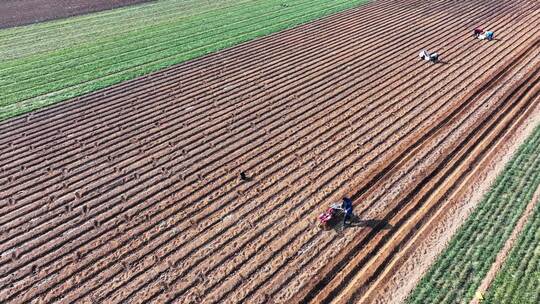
(132, 193)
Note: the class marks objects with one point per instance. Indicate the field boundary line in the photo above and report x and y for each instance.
(508, 246)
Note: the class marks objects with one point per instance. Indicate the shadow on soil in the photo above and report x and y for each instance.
(358, 222)
(378, 224)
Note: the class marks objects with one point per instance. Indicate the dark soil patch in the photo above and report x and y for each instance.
(23, 12)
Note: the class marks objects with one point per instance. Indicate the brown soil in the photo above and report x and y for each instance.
(381, 259)
(132, 193)
(23, 12)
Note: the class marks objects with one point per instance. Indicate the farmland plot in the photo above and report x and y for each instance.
(22, 12)
(459, 270)
(132, 192)
(50, 62)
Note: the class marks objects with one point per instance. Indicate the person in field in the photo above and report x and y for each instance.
(347, 209)
(477, 32)
(425, 55)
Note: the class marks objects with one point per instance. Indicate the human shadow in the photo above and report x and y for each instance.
(356, 222)
(373, 223)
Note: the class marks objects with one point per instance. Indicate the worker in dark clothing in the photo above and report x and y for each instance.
(347, 209)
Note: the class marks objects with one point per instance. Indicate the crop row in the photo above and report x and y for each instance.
(518, 280)
(458, 271)
(101, 24)
(121, 59)
(145, 227)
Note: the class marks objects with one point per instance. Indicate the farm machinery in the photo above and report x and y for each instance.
(336, 214)
(331, 217)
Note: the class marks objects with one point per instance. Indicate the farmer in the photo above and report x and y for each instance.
(423, 55)
(478, 32)
(347, 209)
(434, 57)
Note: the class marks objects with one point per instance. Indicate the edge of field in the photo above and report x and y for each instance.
(103, 49)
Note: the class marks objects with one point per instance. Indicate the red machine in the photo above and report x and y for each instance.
(478, 32)
(331, 216)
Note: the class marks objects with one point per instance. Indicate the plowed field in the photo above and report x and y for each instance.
(132, 193)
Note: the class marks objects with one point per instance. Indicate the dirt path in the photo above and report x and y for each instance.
(508, 245)
(23, 12)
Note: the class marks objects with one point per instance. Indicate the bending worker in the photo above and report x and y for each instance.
(348, 209)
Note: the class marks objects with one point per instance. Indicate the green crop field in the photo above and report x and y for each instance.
(50, 62)
(459, 270)
(519, 279)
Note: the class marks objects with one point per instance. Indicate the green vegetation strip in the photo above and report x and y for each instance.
(519, 279)
(459, 270)
(50, 62)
